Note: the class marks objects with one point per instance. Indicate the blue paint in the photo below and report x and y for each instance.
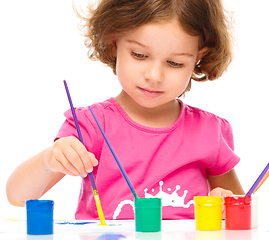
(110, 237)
(74, 223)
(39, 217)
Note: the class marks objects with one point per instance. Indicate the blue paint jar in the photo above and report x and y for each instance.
(39, 217)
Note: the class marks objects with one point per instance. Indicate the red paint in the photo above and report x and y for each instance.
(238, 212)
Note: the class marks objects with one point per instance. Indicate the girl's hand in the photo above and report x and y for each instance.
(220, 192)
(69, 156)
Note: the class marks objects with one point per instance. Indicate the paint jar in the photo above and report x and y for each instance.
(254, 211)
(148, 214)
(237, 212)
(208, 212)
(39, 217)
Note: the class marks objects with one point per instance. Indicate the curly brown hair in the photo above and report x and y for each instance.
(111, 19)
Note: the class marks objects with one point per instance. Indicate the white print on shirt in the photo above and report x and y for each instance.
(119, 207)
(167, 199)
(170, 199)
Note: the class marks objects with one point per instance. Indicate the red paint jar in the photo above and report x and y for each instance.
(237, 212)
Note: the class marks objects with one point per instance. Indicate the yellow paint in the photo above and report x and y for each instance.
(208, 213)
(99, 209)
(14, 220)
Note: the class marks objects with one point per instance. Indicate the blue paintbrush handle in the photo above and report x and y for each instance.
(252, 189)
(114, 154)
(78, 130)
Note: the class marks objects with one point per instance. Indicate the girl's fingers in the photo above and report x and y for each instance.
(70, 156)
(92, 162)
(73, 163)
(220, 192)
(58, 167)
(87, 159)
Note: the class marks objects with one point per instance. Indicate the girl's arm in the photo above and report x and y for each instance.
(225, 184)
(35, 176)
(29, 180)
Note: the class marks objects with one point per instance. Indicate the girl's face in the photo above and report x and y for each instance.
(155, 62)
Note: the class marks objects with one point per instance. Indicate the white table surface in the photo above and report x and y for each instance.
(171, 229)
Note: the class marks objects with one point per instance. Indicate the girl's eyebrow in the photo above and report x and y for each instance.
(183, 54)
(136, 42)
(175, 53)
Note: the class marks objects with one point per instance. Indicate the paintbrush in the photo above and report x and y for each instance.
(256, 183)
(262, 181)
(95, 193)
(114, 154)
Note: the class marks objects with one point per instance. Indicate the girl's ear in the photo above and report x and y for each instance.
(202, 52)
(114, 49)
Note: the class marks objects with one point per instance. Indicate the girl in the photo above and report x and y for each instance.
(168, 149)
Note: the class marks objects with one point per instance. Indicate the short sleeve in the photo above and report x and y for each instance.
(87, 128)
(226, 157)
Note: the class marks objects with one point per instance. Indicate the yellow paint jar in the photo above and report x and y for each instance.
(208, 213)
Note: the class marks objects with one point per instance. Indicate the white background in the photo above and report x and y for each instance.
(40, 46)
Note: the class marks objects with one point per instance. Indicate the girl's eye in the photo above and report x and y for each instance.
(139, 55)
(174, 64)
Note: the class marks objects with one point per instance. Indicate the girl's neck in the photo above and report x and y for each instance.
(158, 117)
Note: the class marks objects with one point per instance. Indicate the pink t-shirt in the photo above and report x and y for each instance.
(172, 162)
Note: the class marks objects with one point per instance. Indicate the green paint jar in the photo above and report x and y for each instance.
(148, 214)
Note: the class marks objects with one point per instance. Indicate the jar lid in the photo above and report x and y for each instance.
(237, 200)
(148, 202)
(207, 200)
(39, 204)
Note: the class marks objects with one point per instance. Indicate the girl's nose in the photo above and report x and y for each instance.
(154, 72)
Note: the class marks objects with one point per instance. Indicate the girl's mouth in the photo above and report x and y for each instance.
(150, 93)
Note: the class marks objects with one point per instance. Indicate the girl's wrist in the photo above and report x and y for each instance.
(45, 159)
